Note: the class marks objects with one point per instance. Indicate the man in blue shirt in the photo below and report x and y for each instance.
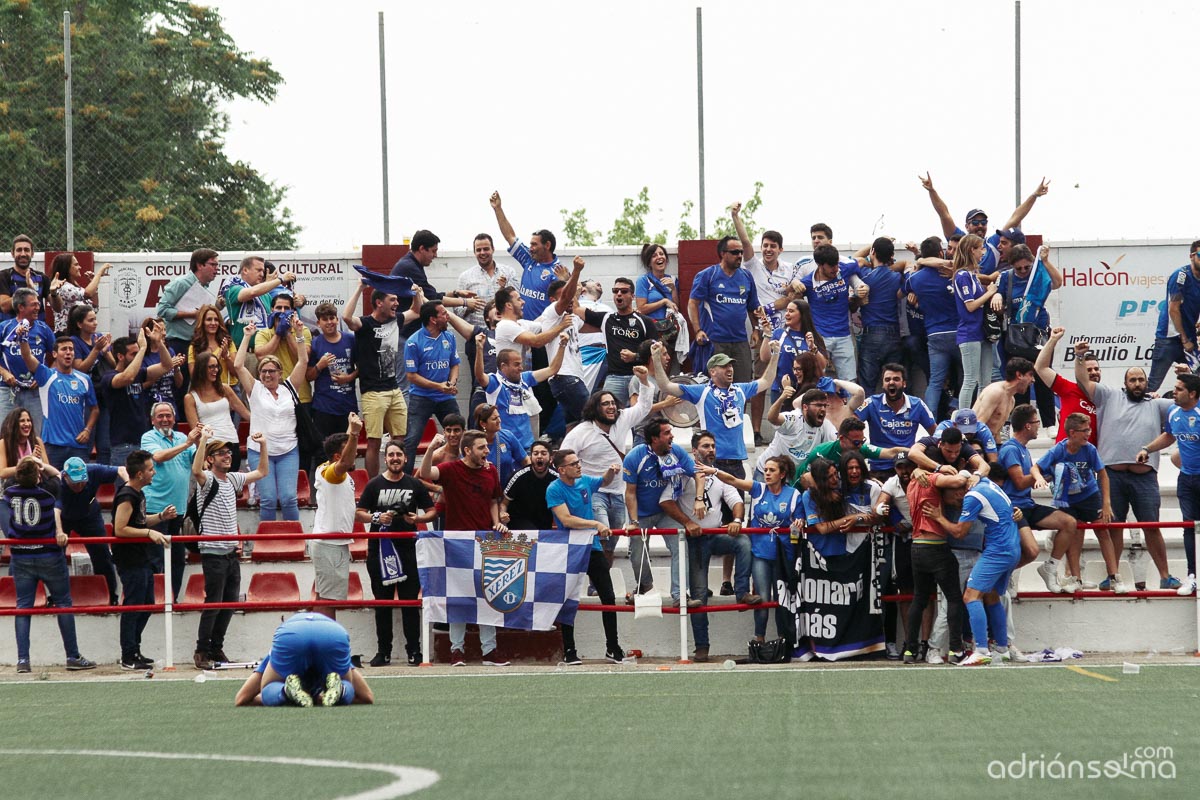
(893, 418)
(1177, 317)
(727, 294)
(333, 373)
(33, 516)
(537, 261)
(1183, 428)
(68, 402)
(721, 403)
(81, 513)
(935, 298)
(431, 360)
(20, 388)
(172, 453)
(880, 342)
(828, 290)
(649, 470)
(570, 501)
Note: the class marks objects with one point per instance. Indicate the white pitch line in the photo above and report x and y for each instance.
(408, 779)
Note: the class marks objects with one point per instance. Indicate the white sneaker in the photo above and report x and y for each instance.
(1049, 573)
(1069, 584)
(1188, 587)
(976, 659)
(1014, 654)
(934, 657)
(1088, 586)
(1119, 586)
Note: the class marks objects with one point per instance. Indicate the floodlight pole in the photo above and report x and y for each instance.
(387, 233)
(1017, 104)
(69, 144)
(700, 104)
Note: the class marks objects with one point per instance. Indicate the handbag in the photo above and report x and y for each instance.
(307, 434)
(1022, 339)
(649, 605)
(775, 651)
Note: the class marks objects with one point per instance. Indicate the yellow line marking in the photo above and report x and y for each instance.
(1090, 674)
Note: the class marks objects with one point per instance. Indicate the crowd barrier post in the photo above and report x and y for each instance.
(168, 604)
(426, 642)
(683, 597)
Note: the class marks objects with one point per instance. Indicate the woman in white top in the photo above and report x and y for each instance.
(210, 402)
(273, 413)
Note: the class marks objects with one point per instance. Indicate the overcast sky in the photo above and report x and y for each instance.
(835, 107)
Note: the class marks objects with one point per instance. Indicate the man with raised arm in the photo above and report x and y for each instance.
(248, 296)
(1071, 397)
(510, 389)
(334, 487)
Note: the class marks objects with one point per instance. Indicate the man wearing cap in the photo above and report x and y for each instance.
(894, 417)
(217, 491)
(977, 222)
(729, 295)
(947, 450)
(974, 432)
(172, 453)
(721, 404)
(1181, 310)
(81, 513)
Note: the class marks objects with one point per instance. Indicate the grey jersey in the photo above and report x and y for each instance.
(1125, 425)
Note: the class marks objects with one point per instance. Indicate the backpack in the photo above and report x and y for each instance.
(195, 510)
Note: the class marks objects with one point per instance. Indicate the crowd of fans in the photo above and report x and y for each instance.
(569, 423)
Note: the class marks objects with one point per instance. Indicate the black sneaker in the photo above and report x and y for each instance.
(23, 667)
(132, 663)
(615, 654)
(922, 651)
(218, 655)
(381, 660)
(414, 659)
(910, 657)
(954, 658)
(726, 589)
(146, 661)
(759, 441)
(571, 658)
(356, 661)
(80, 663)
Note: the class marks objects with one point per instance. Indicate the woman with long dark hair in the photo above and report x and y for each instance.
(971, 298)
(212, 336)
(211, 401)
(796, 336)
(67, 289)
(655, 292)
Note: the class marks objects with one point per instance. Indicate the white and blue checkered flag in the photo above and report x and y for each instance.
(524, 579)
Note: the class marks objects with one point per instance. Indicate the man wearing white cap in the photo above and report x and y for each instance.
(974, 432)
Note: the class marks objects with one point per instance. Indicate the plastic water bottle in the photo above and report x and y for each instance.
(1138, 560)
(729, 663)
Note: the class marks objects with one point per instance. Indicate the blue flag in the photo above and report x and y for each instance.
(388, 284)
(1036, 292)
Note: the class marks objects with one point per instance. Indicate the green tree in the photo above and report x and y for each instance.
(630, 227)
(723, 226)
(575, 228)
(150, 77)
(686, 232)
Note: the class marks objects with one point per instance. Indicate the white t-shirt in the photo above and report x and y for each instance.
(899, 497)
(771, 285)
(273, 416)
(714, 492)
(795, 438)
(335, 504)
(508, 330)
(572, 363)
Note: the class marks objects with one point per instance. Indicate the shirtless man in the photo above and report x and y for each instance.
(996, 401)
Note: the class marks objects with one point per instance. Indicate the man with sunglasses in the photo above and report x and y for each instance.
(1181, 310)
(727, 295)
(624, 331)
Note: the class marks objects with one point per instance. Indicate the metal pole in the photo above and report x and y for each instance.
(70, 139)
(387, 232)
(1017, 110)
(700, 104)
(168, 610)
(684, 584)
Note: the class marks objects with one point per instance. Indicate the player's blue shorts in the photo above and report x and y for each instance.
(992, 570)
(310, 644)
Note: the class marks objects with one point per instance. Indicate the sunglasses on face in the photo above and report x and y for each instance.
(736, 252)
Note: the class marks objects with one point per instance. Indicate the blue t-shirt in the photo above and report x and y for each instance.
(1181, 283)
(985, 502)
(1019, 287)
(653, 474)
(916, 317)
(721, 413)
(647, 288)
(512, 401)
(31, 516)
(791, 344)
(829, 301)
(82, 504)
(936, 299)
(535, 279)
(772, 511)
(970, 323)
(328, 396)
(577, 498)
(431, 357)
(507, 454)
(171, 477)
(163, 389)
(1015, 454)
(1082, 467)
(884, 306)
(65, 400)
(1185, 427)
(894, 428)
(728, 299)
(126, 406)
(981, 438)
(827, 544)
(41, 342)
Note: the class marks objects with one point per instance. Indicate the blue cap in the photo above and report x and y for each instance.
(75, 470)
(1014, 235)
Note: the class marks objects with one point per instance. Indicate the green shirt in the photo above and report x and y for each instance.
(832, 451)
(166, 310)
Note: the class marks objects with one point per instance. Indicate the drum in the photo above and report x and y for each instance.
(684, 414)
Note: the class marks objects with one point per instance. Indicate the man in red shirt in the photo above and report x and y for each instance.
(933, 565)
(471, 494)
(1074, 401)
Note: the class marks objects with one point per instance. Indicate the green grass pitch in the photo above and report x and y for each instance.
(749, 733)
